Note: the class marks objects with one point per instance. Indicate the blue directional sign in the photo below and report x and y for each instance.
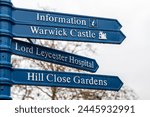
(27, 23)
(43, 18)
(64, 79)
(68, 34)
(55, 56)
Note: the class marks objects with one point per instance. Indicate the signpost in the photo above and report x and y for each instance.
(44, 18)
(27, 23)
(55, 56)
(65, 79)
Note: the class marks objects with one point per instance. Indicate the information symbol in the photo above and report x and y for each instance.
(93, 23)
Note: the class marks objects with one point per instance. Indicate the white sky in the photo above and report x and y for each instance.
(130, 60)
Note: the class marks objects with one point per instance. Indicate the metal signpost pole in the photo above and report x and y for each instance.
(5, 49)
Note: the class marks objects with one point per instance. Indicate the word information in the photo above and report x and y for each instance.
(63, 20)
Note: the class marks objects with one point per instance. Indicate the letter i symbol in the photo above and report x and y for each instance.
(93, 22)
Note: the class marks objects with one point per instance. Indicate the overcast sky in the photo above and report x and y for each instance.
(130, 60)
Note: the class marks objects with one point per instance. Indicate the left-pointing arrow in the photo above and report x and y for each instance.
(52, 55)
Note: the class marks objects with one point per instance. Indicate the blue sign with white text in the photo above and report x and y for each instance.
(55, 56)
(44, 18)
(36, 24)
(65, 79)
(68, 34)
